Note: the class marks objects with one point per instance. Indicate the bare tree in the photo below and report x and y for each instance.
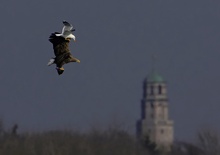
(209, 142)
(185, 148)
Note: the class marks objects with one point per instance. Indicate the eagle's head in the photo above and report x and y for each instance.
(69, 39)
(60, 70)
(71, 36)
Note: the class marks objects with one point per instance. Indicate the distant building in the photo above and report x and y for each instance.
(155, 123)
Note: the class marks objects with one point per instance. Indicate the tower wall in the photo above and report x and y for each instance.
(155, 122)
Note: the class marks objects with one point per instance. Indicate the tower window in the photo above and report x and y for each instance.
(160, 89)
(151, 90)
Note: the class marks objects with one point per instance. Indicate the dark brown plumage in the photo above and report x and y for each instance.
(61, 51)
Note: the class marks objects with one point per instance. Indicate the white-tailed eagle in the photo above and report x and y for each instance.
(61, 49)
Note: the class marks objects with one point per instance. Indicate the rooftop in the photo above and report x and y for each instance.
(155, 77)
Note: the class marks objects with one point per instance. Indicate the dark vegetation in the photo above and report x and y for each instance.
(112, 141)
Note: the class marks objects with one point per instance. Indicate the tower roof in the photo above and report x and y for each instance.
(155, 77)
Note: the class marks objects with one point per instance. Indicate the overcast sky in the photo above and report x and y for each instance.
(115, 43)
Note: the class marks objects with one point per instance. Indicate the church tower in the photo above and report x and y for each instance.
(155, 123)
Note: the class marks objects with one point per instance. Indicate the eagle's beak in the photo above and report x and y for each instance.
(78, 61)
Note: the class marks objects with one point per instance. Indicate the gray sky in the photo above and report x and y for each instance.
(115, 43)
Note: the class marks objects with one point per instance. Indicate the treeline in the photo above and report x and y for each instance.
(112, 141)
(66, 142)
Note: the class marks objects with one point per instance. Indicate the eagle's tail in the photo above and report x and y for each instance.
(51, 61)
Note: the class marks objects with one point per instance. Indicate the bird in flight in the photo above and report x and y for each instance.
(67, 31)
(61, 49)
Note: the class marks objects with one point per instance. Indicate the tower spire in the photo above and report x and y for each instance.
(154, 58)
